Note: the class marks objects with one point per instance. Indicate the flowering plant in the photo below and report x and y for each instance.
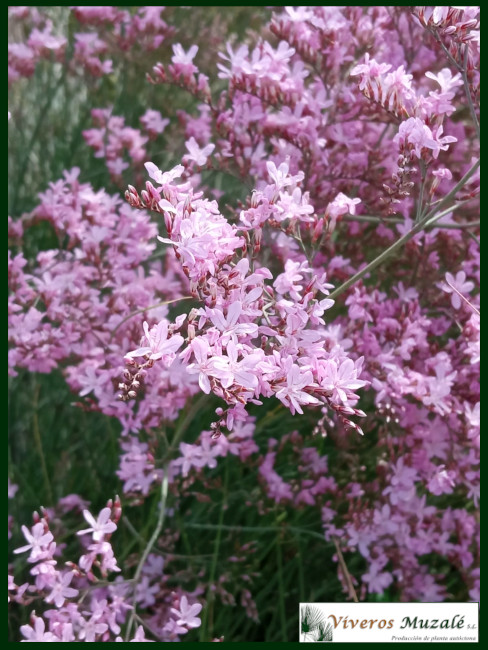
(278, 317)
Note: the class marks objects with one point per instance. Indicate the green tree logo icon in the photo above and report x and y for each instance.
(313, 625)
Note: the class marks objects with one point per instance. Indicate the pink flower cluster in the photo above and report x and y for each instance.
(95, 280)
(143, 29)
(112, 138)
(82, 605)
(41, 43)
(252, 339)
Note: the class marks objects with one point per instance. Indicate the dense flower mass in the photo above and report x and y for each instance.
(300, 268)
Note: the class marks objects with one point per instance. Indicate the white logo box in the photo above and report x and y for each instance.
(389, 622)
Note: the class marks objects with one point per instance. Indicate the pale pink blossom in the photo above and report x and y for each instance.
(100, 526)
(39, 540)
(154, 122)
(442, 482)
(182, 57)
(186, 614)
(163, 178)
(37, 632)
(91, 628)
(458, 287)
(61, 590)
(158, 344)
(341, 379)
(197, 154)
(292, 393)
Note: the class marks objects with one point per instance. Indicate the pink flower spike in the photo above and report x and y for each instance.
(99, 527)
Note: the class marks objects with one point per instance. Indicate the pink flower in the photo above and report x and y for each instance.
(445, 79)
(295, 206)
(199, 156)
(279, 175)
(419, 136)
(154, 122)
(287, 282)
(340, 206)
(158, 343)
(99, 527)
(139, 636)
(236, 59)
(442, 482)
(39, 542)
(91, 628)
(163, 178)
(231, 371)
(293, 395)
(458, 287)
(182, 57)
(62, 590)
(441, 174)
(117, 166)
(341, 379)
(12, 489)
(300, 14)
(37, 632)
(196, 456)
(92, 381)
(46, 574)
(103, 552)
(276, 487)
(187, 614)
(416, 133)
(377, 581)
(202, 365)
(370, 69)
(229, 325)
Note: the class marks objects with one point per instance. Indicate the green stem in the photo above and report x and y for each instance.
(464, 74)
(389, 221)
(21, 174)
(144, 309)
(164, 495)
(298, 238)
(256, 529)
(430, 218)
(281, 589)
(423, 172)
(476, 241)
(147, 550)
(301, 577)
(459, 226)
(38, 443)
(345, 571)
(196, 408)
(206, 627)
